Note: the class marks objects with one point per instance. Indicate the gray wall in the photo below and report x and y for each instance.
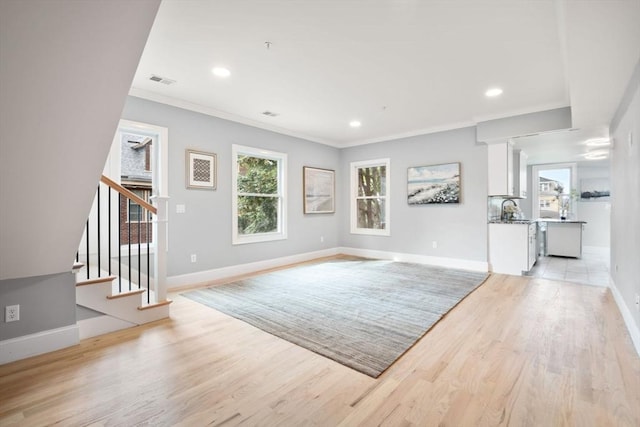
(459, 230)
(625, 192)
(205, 228)
(46, 302)
(507, 127)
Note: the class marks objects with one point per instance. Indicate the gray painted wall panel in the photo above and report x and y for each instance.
(46, 302)
(459, 230)
(205, 228)
(524, 124)
(625, 193)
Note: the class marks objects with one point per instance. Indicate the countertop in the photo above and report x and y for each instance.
(567, 221)
(515, 221)
(531, 221)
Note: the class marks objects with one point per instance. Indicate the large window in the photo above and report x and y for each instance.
(370, 201)
(553, 190)
(259, 195)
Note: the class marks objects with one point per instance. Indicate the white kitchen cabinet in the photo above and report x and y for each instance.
(501, 179)
(512, 247)
(520, 173)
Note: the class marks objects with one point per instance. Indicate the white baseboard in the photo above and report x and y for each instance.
(633, 329)
(202, 277)
(34, 344)
(101, 325)
(419, 259)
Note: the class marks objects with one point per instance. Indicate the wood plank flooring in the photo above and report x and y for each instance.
(518, 351)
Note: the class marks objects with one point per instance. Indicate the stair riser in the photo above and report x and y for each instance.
(125, 308)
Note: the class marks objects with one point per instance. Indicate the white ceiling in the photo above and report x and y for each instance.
(401, 67)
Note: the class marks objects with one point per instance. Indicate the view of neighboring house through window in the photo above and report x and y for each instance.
(370, 198)
(136, 176)
(554, 191)
(136, 212)
(259, 195)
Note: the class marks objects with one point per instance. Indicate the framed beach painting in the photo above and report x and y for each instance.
(201, 170)
(434, 184)
(319, 190)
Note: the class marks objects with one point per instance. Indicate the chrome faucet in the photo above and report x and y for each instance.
(502, 216)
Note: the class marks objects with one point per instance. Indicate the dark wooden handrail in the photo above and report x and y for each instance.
(128, 194)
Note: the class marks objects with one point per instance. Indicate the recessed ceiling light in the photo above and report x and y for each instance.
(493, 92)
(598, 142)
(355, 124)
(221, 72)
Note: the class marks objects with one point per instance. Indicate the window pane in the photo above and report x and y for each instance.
(135, 210)
(553, 192)
(371, 181)
(257, 175)
(257, 214)
(371, 213)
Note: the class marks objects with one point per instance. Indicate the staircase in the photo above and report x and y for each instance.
(122, 284)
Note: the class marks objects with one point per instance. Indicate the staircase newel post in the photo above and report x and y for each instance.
(160, 235)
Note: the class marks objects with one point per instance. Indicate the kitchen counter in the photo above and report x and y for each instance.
(563, 221)
(515, 221)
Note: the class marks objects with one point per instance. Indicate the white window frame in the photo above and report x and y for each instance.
(140, 208)
(354, 197)
(535, 174)
(281, 158)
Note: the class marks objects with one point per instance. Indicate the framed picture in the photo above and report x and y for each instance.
(319, 190)
(201, 170)
(436, 184)
(594, 190)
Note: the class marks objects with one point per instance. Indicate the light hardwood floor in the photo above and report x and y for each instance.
(518, 351)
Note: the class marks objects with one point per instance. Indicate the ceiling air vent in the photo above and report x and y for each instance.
(162, 80)
(270, 114)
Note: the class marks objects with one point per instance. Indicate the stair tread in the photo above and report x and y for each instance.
(155, 304)
(96, 280)
(126, 293)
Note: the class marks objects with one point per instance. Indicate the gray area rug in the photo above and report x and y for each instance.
(361, 313)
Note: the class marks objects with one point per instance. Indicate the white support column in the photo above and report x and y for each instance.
(160, 234)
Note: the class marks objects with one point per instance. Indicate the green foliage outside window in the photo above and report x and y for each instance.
(258, 197)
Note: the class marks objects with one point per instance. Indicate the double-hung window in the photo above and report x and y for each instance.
(370, 199)
(259, 195)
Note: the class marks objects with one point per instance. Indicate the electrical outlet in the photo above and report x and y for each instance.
(12, 313)
(321, 239)
(434, 244)
(194, 258)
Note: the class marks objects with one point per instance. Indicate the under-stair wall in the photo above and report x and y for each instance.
(66, 69)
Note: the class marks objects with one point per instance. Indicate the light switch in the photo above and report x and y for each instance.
(181, 208)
